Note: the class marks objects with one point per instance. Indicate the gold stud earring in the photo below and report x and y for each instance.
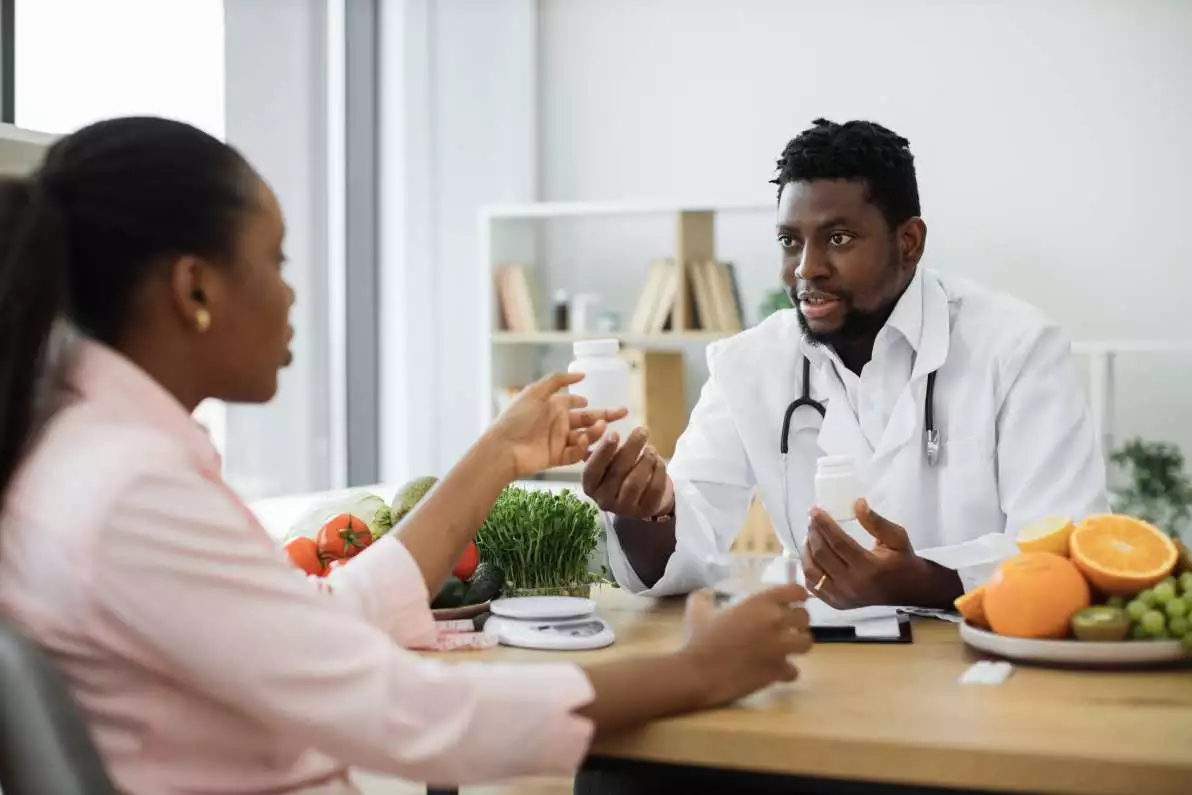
(202, 319)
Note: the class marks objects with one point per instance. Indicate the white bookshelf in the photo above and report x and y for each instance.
(512, 233)
(21, 150)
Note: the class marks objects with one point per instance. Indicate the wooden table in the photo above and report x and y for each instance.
(896, 714)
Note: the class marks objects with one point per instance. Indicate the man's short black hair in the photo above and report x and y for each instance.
(856, 150)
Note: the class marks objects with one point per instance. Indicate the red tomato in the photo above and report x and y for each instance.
(343, 537)
(465, 567)
(304, 553)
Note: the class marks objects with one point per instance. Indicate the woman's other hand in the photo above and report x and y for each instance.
(747, 646)
(545, 427)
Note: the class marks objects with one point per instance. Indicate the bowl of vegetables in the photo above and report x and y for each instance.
(533, 542)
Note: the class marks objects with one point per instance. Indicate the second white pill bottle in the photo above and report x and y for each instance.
(837, 489)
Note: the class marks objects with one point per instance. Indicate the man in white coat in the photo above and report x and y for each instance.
(895, 354)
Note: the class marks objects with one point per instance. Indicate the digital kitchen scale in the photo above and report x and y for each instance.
(552, 623)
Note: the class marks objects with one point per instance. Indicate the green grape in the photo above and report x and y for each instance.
(1176, 608)
(1186, 582)
(1178, 626)
(1147, 597)
(1136, 609)
(1164, 592)
(1154, 622)
(1138, 633)
(1116, 601)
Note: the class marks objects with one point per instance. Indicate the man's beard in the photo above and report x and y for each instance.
(858, 324)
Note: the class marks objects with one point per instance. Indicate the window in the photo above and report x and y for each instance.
(119, 58)
(78, 61)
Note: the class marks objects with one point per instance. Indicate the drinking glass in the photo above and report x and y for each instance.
(736, 576)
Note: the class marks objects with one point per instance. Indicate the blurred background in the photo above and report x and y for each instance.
(472, 185)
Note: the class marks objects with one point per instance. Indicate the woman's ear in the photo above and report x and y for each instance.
(191, 285)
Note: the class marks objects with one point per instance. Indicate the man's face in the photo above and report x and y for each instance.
(842, 264)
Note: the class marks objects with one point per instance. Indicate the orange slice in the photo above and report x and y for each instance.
(972, 606)
(1049, 534)
(1122, 555)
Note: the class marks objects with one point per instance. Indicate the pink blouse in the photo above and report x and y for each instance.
(206, 663)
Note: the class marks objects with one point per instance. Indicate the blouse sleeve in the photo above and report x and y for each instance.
(384, 585)
(184, 585)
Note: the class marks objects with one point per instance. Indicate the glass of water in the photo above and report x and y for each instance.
(736, 576)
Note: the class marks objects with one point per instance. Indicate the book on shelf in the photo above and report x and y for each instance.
(708, 291)
(516, 309)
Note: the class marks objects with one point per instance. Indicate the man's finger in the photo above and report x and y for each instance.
(575, 401)
(886, 532)
(598, 461)
(626, 458)
(637, 481)
(656, 491)
(848, 550)
(825, 557)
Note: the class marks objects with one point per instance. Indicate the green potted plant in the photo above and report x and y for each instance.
(541, 541)
(1153, 485)
(773, 300)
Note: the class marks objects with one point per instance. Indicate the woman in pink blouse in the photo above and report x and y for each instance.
(141, 273)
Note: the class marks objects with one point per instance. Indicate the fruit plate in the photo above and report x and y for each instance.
(1075, 652)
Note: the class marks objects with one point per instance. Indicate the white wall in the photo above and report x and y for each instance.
(277, 116)
(1051, 142)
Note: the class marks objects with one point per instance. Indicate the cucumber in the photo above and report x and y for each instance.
(452, 594)
(485, 584)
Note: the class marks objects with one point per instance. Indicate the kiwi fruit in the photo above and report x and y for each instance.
(1101, 623)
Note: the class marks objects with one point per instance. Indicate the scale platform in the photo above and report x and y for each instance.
(551, 623)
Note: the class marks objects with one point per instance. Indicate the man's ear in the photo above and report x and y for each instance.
(912, 240)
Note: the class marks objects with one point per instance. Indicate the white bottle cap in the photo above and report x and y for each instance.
(602, 347)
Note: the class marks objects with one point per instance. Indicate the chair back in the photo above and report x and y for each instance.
(45, 746)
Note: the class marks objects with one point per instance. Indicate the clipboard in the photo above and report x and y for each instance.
(848, 634)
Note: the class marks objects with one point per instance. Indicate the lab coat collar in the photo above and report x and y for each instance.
(936, 326)
(922, 317)
(121, 390)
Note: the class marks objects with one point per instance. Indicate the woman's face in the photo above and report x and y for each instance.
(248, 341)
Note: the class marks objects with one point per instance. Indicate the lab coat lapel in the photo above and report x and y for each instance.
(840, 433)
(908, 415)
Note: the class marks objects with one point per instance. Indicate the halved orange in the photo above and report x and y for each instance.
(972, 607)
(1121, 555)
(1049, 534)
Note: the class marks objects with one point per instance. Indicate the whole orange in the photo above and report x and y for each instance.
(1035, 595)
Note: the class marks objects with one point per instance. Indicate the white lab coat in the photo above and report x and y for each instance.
(1017, 439)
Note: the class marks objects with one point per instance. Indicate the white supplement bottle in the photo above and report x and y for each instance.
(837, 489)
(606, 378)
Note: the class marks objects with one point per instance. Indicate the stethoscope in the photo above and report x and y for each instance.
(931, 436)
